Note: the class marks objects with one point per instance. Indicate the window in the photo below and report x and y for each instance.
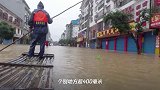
(21, 32)
(100, 26)
(107, 1)
(1, 13)
(5, 16)
(83, 26)
(107, 9)
(91, 12)
(120, 3)
(18, 31)
(86, 17)
(107, 24)
(96, 0)
(86, 24)
(15, 29)
(144, 4)
(100, 14)
(93, 34)
(15, 21)
(91, 19)
(10, 18)
(101, 4)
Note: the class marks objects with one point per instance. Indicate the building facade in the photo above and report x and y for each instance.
(83, 35)
(71, 32)
(75, 28)
(68, 31)
(102, 35)
(74, 31)
(16, 14)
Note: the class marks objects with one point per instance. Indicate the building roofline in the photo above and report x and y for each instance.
(26, 4)
(9, 11)
(83, 2)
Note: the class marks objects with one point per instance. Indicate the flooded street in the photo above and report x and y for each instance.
(118, 71)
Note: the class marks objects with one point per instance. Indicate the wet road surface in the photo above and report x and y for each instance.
(118, 71)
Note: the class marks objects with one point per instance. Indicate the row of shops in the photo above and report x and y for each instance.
(127, 44)
(102, 36)
(113, 41)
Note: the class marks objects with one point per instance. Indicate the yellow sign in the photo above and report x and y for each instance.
(155, 20)
(108, 32)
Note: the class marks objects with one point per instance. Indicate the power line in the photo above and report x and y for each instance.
(67, 9)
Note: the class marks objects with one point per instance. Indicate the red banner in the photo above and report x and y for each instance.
(155, 21)
(157, 2)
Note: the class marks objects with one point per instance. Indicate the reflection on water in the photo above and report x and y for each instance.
(118, 71)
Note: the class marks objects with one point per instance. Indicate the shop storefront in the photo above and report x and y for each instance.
(155, 24)
(111, 44)
(92, 34)
(104, 43)
(120, 44)
(107, 39)
(80, 41)
(149, 43)
(131, 45)
(93, 43)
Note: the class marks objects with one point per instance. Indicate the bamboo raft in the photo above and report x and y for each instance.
(27, 74)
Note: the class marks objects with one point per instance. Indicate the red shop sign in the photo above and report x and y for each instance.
(157, 2)
(155, 21)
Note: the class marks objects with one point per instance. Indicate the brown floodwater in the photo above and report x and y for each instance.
(117, 70)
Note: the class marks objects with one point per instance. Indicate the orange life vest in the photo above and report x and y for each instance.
(40, 16)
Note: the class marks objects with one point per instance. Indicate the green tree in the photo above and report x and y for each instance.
(63, 41)
(71, 41)
(6, 31)
(121, 20)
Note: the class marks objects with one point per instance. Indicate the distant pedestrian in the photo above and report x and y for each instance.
(39, 24)
(47, 43)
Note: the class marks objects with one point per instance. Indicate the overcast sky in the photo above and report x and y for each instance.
(54, 7)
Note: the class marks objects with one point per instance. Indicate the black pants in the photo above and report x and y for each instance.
(37, 37)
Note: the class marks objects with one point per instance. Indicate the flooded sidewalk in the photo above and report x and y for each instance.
(12, 52)
(113, 70)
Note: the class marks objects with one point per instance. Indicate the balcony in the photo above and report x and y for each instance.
(17, 35)
(107, 9)
(83, 29)
(99, 15)
(121, 4)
